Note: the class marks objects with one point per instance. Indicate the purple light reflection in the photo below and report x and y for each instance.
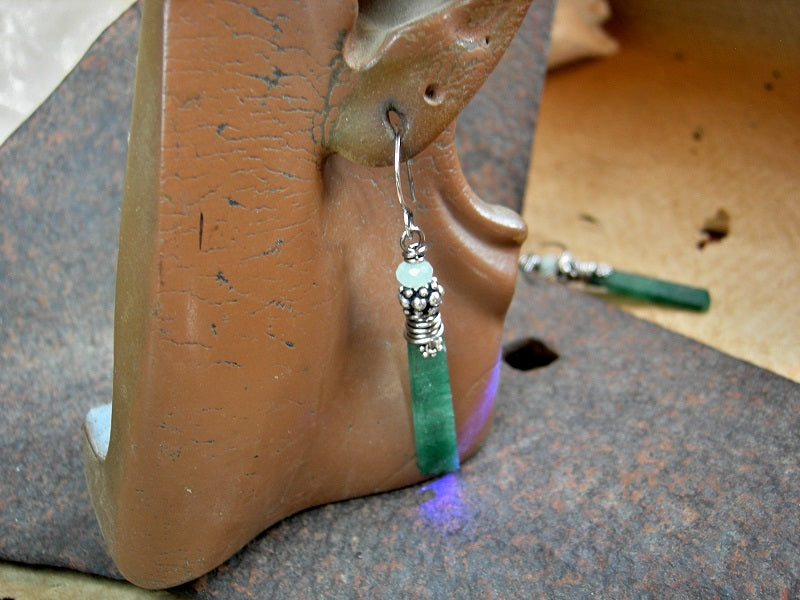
(479, 418)
(446, 511)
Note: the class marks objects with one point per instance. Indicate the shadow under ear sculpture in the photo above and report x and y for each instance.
(260, 362)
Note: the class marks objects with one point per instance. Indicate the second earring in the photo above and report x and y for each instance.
(421, 297)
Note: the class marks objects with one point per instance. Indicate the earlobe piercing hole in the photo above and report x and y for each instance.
(433, 95)
(395, 121)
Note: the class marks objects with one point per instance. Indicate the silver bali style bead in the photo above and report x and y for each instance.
(420, 297)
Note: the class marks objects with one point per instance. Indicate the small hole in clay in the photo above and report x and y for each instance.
(395, 120)
(432, 95)
(486, 40)
(528, 354)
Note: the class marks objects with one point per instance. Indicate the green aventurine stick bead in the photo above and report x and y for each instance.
(432, 408)
(655, 290)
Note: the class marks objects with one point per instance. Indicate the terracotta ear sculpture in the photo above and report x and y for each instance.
(259, 361)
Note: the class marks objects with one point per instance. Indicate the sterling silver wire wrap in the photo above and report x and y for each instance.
(424, 326)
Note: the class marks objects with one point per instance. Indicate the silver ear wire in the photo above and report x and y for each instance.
(413, 240)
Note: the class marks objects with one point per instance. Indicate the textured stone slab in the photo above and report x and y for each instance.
(61, 178)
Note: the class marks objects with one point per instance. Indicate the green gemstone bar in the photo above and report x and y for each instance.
(655, 290)
(432, 408)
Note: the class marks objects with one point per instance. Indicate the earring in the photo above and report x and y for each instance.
(421, 298)
(566, 268)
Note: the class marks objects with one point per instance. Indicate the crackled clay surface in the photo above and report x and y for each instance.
(259, 363)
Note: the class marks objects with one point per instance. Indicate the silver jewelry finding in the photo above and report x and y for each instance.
(413, 240)
(420, 293)
(564, 266)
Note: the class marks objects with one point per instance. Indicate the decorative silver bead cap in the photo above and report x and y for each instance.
(424, 326)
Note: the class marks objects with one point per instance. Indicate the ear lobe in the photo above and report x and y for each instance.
(423, 59)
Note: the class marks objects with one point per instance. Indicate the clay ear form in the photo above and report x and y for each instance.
(260, 366)
(424, 60)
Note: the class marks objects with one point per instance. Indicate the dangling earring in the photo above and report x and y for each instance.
(429, 378)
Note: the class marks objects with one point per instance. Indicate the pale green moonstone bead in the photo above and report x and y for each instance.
(414, 275)
(548, 266)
